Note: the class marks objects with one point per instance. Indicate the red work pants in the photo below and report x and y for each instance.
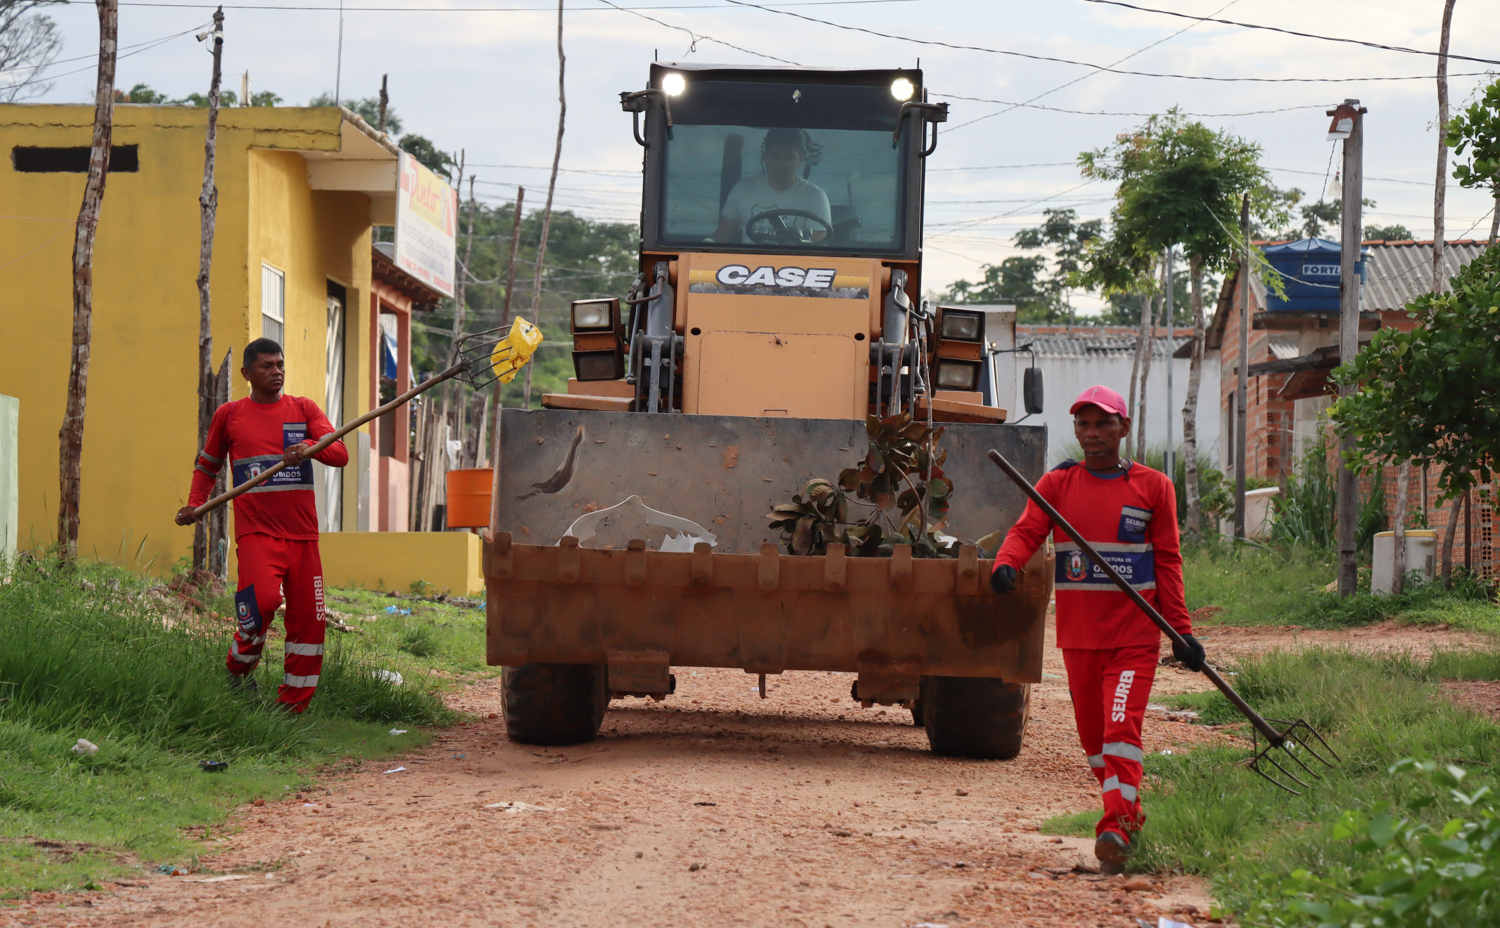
(271, 565)
(1110, 689)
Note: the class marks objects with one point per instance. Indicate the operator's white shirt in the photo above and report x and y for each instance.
(755, 195)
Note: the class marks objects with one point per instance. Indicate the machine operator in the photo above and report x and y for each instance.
(781, 191)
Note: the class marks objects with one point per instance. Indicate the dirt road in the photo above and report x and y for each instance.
(713, 808)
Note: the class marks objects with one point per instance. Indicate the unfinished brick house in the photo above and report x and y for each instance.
(1293, 347)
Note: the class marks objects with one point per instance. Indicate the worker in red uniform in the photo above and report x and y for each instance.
(275, 523)
(1129, 513)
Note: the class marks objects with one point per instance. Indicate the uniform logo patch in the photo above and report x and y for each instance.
(1076, 569)
(247, 611)
(1122, 696)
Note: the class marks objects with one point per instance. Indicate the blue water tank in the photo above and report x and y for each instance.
(1310, 272)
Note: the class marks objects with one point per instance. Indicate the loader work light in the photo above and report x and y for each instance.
(962, 326)
(958, 375)
(598, 346)
(673, 84)
(902, 89)
(594, 315)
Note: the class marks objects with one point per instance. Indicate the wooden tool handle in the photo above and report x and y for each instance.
(332, 437)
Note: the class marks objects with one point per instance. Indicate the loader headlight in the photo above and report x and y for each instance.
(673, 84)
(964, 327)
(598, 365)
(902, 89)
(958, 375)
(594, 315)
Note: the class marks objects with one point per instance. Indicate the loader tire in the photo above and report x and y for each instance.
(979, 717)
(553, 704)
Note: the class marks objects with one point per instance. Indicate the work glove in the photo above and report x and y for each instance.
(1192, 655)
(1003, 579)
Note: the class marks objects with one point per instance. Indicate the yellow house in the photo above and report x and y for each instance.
(299, 190)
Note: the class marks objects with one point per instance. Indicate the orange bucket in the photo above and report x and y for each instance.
(468, 504)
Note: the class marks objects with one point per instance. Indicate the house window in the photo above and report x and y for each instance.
(33, 159)
(272, 304)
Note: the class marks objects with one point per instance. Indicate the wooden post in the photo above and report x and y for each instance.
(1141, 344)
(1169, 461)
(218, 520)
(208, 205)
(541, 248)
(385, 101)
(70, 435)
(1439, 279)
(1348, 484)
(1241, 404)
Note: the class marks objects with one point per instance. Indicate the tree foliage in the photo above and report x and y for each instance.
(1180, 184)
(1391, 233)
(1036, 284)
(29, 42)
(144, 93)
(1476, 131)
(1432, 395)
(584, 259)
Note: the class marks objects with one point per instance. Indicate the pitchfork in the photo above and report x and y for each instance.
(479, 360)
(1295, 735)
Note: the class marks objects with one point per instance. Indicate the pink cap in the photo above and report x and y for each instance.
(1103, 397)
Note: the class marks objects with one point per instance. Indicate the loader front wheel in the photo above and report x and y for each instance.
(980, 717)
(553, 703)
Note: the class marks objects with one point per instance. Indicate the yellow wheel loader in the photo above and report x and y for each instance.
(778, 307)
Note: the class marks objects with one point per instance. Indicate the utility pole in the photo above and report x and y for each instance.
(385, 101)
(208, 206)
(1349, 267)
(1170, 460)
(541, 248)
(70, 435)
(1240, 405)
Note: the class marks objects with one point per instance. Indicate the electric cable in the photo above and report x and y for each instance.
(486, 9)
(1058, 109)
(1302, 35)
(143, 47)
(1085, 64)
(696, 36)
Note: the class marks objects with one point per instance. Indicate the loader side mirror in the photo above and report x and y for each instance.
(1031, 390)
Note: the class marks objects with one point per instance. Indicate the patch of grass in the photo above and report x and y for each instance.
(1073, 824)
(1209, 815)
(1260, 586)
(446, 637)
(86, 652)
(1237, 580)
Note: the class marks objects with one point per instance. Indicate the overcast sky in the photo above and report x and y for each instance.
(482, 75)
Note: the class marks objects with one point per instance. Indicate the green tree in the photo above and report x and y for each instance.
(1477, 131)
(1432, 395)
(1319, 220)
(143, 93)
(584, 259)
(1391, 233)
(367, 108)
(1036, 284)
(422, 149)
(1180, 184)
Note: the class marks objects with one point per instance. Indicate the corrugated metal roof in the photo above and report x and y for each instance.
(1402, 271)
(1087, 342)
(1285, 346)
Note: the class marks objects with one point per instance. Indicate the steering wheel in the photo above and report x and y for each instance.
(775, 230)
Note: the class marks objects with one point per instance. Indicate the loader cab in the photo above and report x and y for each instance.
(781, 251)
(783, 161)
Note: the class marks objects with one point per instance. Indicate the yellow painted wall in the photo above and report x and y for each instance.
(394, 560)
(140, 427)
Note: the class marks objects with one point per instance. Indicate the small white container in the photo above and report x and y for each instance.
(1421, 554)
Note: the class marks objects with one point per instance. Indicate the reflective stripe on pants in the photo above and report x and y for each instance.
(1110, 689)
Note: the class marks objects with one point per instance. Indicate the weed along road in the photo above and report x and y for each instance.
(714, 807)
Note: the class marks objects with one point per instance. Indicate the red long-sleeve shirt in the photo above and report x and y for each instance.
(252, 436)
(1131, 519)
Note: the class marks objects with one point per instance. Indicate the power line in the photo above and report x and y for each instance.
(1010, 167)
(1058, 109)
(1084, 77)
(1387, 180)
(1302, 35)
(476, 9)
(696, 37)
(140, 47)
(1085, 64)
(974, 222)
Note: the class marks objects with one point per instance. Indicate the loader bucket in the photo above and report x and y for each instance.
(632, 612)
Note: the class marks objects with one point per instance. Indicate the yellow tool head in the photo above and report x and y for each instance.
(514, 350)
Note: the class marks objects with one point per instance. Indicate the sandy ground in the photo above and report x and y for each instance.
(1383, 637)
(712, 808)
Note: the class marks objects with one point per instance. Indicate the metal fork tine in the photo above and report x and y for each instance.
(1326, 746)
(1266, 756)
(1255, 767)
(1290, 742)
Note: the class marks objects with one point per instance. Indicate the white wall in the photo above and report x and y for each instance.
(1066, 377)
